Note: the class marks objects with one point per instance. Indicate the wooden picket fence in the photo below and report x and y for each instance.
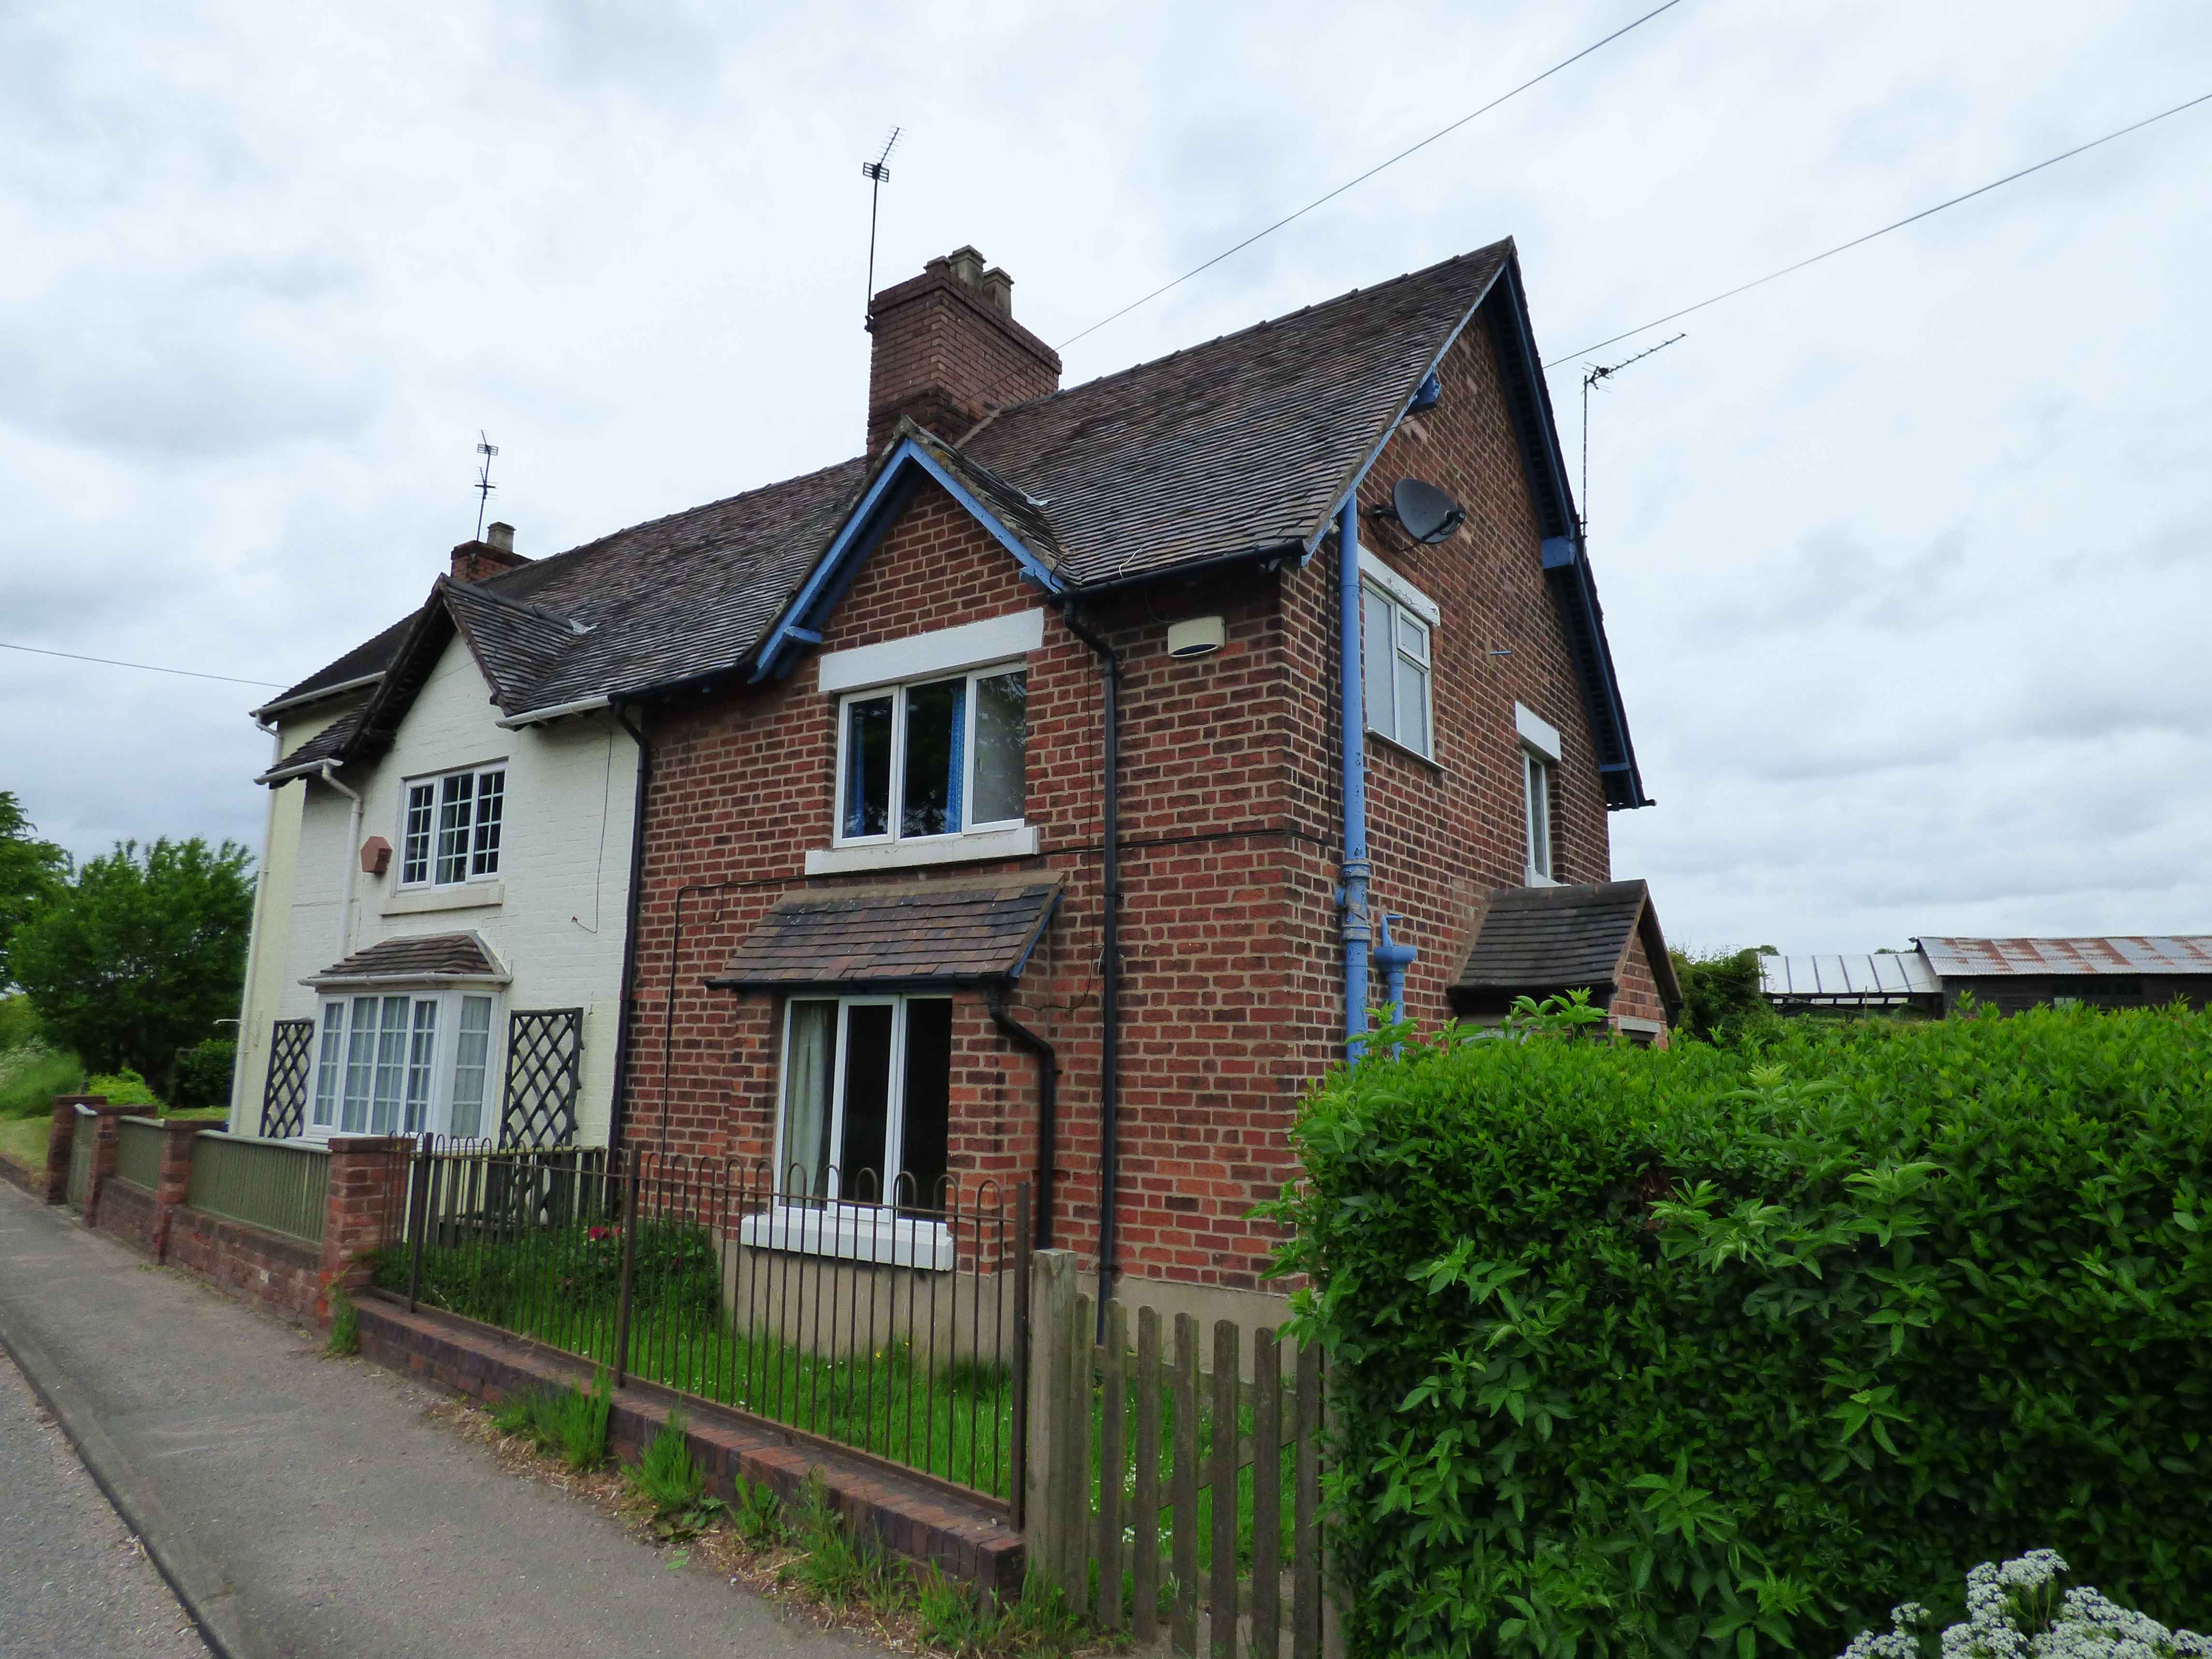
(1180, 1498)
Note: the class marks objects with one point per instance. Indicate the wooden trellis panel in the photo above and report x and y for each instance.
(291, 1064)
(544, 1069)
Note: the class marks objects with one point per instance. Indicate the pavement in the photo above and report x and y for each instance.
(73, 1578)
(301, 1505)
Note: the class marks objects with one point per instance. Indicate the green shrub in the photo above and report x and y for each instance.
(201, 1081)
(667, 1475)
(32, 1074)
(1700, 1350)
(19, 1022)
(123, 1087)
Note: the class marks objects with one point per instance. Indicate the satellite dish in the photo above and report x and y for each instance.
(1425, 512)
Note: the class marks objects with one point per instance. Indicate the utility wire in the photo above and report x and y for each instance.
(1349, 183)
(1841, 247)
(151, 668)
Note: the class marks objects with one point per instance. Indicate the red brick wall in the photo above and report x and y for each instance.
(128, 1214)
(247, 1261)
(1232, 977)
(944, 356)
(1638, 996)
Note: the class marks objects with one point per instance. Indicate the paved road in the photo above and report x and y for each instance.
(72, 1580)
(330, 1517)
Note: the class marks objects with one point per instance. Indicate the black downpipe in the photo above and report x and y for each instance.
(618, 1109)
(1048, 1059)
(1109, 966)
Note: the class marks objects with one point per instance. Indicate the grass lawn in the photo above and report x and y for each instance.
(23, 1140)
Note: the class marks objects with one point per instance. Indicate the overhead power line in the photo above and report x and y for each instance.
(1856, 241)
(151, 668)
(1348, 184)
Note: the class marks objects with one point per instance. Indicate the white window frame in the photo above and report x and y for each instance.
(896, 691)
(1539, 773)
(1410, 608)
(444, 1051)
(859, 1231)
(434, 782)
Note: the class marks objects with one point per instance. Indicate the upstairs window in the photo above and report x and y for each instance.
(937, 757)
(451, 830)
(1394, 649)
(1538, 796)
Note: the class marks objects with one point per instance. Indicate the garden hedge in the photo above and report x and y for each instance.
(1710, 1351)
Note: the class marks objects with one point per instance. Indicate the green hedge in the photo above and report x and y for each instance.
(1711, 1351)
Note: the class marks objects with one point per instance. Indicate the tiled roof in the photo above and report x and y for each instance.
(928, 933)
(365, 659)
(428, 956)
(2121, 953)
(324, 745)
(1536, 939)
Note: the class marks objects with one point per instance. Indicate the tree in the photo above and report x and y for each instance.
(1721, 998)
(30, 872)
(141, 954)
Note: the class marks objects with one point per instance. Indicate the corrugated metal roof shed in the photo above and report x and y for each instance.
(2125, 953)
(1864, 980)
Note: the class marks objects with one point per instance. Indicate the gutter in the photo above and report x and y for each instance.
(1109, 967)
(353, 841)
(316, 695)
(555, 711)
(618, 1107)
(1048, 1059)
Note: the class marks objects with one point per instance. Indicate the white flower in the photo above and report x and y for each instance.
(2010, 1615)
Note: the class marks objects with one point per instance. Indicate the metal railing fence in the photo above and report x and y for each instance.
(895, 1329)
(82, 1145)
(280, 1185)
(138, 1151)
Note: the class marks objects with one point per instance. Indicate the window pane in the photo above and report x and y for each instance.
(806, 1098)
(414, 855)
(1412, 636)
(361, 1065)
(391, 1064)
(422, 1049)
(329, 1070)
(1375, 655)
(867, 1101)
(1413, 705)
(491, 809)
(454, 802)
(1002, 721)
(927, 1105)
(867, 767)
(934, 721)
(471, 1054)
(1540, 817)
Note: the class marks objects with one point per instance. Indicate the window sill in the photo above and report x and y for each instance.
(1390, 742)
(469, 896)
(865, 1236)
(919, 854)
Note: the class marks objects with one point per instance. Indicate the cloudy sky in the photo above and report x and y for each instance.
(1904, 556)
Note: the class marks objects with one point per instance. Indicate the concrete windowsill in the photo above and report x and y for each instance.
(919, 854)
(469, 896)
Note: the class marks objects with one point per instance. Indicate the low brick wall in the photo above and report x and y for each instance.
(247, 1262)
(920, 1522)
(128, 1212)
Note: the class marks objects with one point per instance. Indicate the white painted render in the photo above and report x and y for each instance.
(555, 917)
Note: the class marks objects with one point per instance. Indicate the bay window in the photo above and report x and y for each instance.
(935, 758)
(403, 1062)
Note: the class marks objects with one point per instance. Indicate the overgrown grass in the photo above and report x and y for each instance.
(23, 1140)
(566, 1422)
(31, 1075)
(345, 1327)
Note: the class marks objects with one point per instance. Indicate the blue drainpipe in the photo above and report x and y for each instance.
(1394, 959)
(1356, 869)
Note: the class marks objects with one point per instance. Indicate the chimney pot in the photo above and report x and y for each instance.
(501, 536)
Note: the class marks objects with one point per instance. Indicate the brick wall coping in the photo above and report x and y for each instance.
(923, 1523)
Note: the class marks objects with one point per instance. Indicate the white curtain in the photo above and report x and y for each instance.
(804, 1166)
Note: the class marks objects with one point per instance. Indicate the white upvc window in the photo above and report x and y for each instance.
(450, 826)
(933, 759)
(1395, 642)
(1540, 758)
(863, 1122)
(406, 1062)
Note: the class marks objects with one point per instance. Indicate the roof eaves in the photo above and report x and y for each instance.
(284, 705)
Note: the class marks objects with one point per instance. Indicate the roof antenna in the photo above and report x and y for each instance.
(483, 485)
(877, 174)
(1592, 373)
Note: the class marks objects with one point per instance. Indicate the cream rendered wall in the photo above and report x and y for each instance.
(273, 920)
(564, 865)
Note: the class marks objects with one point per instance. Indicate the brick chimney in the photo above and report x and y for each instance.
(474, 561)
(948, 349)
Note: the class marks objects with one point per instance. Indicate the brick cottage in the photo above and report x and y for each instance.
(1045, 794)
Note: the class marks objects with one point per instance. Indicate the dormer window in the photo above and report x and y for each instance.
(935, 757)
(453, 828)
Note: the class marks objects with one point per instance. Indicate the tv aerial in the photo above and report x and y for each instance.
(878, 173)
(483, 485)
(1595, 374)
